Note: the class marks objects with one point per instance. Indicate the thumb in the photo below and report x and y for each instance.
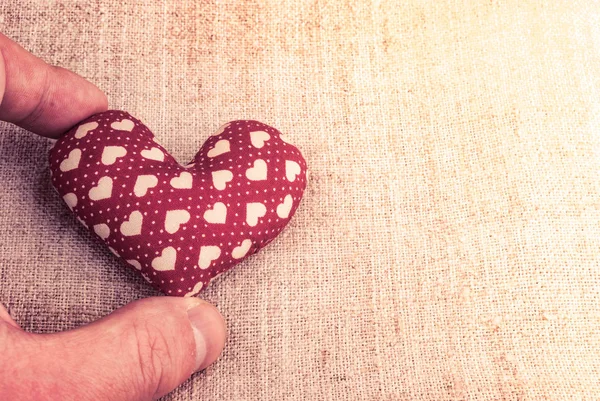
(140, 352)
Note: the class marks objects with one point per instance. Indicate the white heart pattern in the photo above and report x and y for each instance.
(71, 162)
(241, 251)
(254, 211)
(195, 290)
(143, 183)
(110, 154)
(124, 125)
(174, 219)
(258, 138)
(103, 190)
(221, 129)
(102, 230)
(153, 154)
(258, 172)
(71, 200)
(220, 148)
(184, 181)
(283, 209)
(166, 261)
(207, 255)
(292, 169)
(216, 215)
(133, 226)
(84, 129)
(135, 263)
(221, 178)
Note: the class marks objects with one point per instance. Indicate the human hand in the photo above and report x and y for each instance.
(139, 352)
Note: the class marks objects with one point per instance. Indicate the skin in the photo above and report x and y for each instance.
(139, 352)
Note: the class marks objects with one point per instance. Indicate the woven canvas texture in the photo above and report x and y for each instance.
(448, 244)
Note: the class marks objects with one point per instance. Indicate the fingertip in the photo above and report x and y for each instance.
(100, 100)
(210, 332)
(70, 99)
(6, 317)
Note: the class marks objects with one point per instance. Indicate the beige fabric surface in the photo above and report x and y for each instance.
(448, 245)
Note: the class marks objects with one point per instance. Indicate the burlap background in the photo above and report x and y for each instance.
(448, 246)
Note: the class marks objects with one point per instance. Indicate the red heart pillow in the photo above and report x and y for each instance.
(178, 226)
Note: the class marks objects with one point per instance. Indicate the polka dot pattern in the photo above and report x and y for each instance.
(178, 226)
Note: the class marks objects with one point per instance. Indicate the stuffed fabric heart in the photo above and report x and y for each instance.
(178, 226)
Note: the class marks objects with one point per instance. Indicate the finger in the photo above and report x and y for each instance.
(41, 98)
(139, 352)
(5, 317)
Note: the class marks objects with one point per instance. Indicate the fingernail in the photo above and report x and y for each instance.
(209, 332)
